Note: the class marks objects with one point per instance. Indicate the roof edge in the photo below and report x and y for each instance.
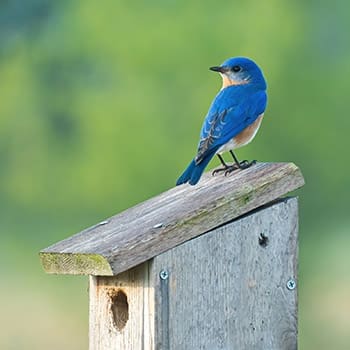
(75, 263)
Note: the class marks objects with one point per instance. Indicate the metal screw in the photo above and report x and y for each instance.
(158, 225)
(164, 274)
(291, 284)
(103, 222)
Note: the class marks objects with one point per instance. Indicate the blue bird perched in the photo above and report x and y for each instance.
(233, 119)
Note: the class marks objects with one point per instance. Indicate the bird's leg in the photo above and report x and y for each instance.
(224, 168)
(244, 164)
(235, 159)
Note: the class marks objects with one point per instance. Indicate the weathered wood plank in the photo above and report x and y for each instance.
(226, 291)
(121, 313)
(223, 290)
(165, 221)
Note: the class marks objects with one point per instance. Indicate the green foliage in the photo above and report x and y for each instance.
(102, 102)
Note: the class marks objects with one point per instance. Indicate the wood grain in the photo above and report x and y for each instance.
(169, 219)
(224, 291)
(228, 292)
(136, 329)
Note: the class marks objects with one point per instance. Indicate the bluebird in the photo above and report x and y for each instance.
(233, 119)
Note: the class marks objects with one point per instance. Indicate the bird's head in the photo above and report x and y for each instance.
(240, 71)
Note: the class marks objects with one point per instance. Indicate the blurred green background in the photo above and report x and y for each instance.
(101, 105)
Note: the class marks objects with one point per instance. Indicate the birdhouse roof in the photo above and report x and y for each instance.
(182, 213)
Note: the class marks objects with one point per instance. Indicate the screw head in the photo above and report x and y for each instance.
(104, 222)
(158, 225)
(164, 274)
(291, 284)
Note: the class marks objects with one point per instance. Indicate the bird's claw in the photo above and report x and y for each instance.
(231, 168)
(226, 170)
(245, 164)
(219, 170)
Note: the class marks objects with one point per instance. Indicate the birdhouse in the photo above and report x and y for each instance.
(211, 266)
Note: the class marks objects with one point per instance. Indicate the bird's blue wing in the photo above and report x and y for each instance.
(233, 109)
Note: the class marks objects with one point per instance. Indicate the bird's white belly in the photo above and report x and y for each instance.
(231, 145)
(243, 138)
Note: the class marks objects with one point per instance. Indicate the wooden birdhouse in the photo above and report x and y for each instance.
(212, 266)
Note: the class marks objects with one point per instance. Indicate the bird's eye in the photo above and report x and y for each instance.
(236, 69)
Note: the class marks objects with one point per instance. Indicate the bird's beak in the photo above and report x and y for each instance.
(220, 69)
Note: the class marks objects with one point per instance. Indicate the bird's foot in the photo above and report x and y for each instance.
(220, 170)
(231, 169)
(244, 164)
(226, 170)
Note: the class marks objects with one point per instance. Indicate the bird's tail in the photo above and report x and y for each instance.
(194, 171)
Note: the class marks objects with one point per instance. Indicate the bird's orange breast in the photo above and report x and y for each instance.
(248, 133)
(243, 138)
